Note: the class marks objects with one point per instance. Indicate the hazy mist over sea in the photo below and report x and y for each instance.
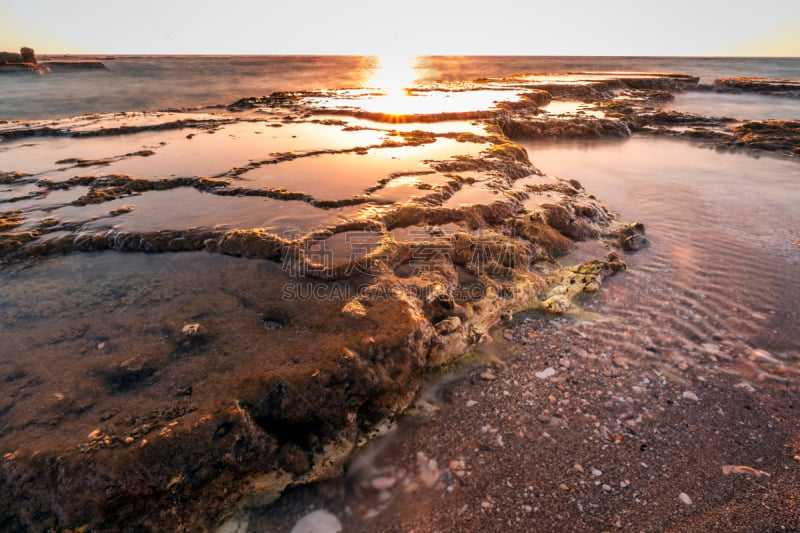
(137, 83)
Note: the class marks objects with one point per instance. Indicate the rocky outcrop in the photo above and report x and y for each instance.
(772, 87)
(25, 56)
(25, 61)
(74, 65)
(526, 127)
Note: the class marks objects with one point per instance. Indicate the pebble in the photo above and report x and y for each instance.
(597, 473)
(546, 373)
(624, 484)
(190, 330)
(488, 376)
(319, 521)
(606, 488)
(383, 483)
(577, 467)
(234, 525)
(470, 403)
(741, 469)
(685, 498)
(689, 395)
(428, 470)
(101, 345)
(710, 348)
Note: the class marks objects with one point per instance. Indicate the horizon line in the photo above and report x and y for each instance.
(366, 54)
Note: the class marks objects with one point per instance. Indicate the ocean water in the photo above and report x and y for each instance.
(154, 83)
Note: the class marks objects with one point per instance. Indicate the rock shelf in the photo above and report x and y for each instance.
(232, 333)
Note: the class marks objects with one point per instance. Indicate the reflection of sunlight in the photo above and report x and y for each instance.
(394, 75)
(394, 80)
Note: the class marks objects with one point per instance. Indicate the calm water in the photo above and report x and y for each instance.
(721, 278)
(148, 83)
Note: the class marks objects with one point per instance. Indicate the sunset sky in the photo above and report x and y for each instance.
(410, 27)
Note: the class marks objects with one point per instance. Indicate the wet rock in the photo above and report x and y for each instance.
(547, 239)
(294, 459)
(629, 237)
(634, 243)
(560, 128)
(569, 282)
(11, 219)
(557, 216)
(540, 97)
(557, 304)
(448, 325)
(782, 136)
(774, 87)
(121, 210)
(130, 373)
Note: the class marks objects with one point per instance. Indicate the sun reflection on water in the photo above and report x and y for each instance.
(394, 77)
(395, 81)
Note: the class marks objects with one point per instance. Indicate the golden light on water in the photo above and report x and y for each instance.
(394, 74)
(394, 77)
(394, 82)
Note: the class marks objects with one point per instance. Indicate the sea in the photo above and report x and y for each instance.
(139, 83)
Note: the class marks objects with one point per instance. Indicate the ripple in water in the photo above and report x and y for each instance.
(720, 285)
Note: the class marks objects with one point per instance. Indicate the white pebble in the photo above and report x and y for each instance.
(318, 522)
(685, 498)
(689, 395)
(546, 373)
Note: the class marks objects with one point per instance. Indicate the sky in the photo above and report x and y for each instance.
(404, 27)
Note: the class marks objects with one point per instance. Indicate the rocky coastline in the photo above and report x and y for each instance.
(194, 417)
